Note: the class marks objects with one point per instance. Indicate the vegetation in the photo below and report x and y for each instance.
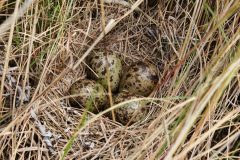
(195, 107)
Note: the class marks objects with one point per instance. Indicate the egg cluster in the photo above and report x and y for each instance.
(137, 80)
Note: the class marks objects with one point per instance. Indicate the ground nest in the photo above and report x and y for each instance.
(195, 107)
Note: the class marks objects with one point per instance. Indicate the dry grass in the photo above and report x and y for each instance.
(195, 111)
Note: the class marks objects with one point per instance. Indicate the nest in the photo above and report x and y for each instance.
(37, 120)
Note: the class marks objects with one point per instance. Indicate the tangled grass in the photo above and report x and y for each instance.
(195, 109)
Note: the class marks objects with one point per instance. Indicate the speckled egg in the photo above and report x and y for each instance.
(126, 112)
(90, 94)
(140, 78)
(98, 63)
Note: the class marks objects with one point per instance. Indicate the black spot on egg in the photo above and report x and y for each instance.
(135, 69)
(112, 62)
(153, 78)
(137, 80)
(99, 64)
(104, 71)
(128, 75)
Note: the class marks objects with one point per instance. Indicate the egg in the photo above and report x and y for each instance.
(98, 64)
(88, 94)
(140, 78)
(126, 112)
